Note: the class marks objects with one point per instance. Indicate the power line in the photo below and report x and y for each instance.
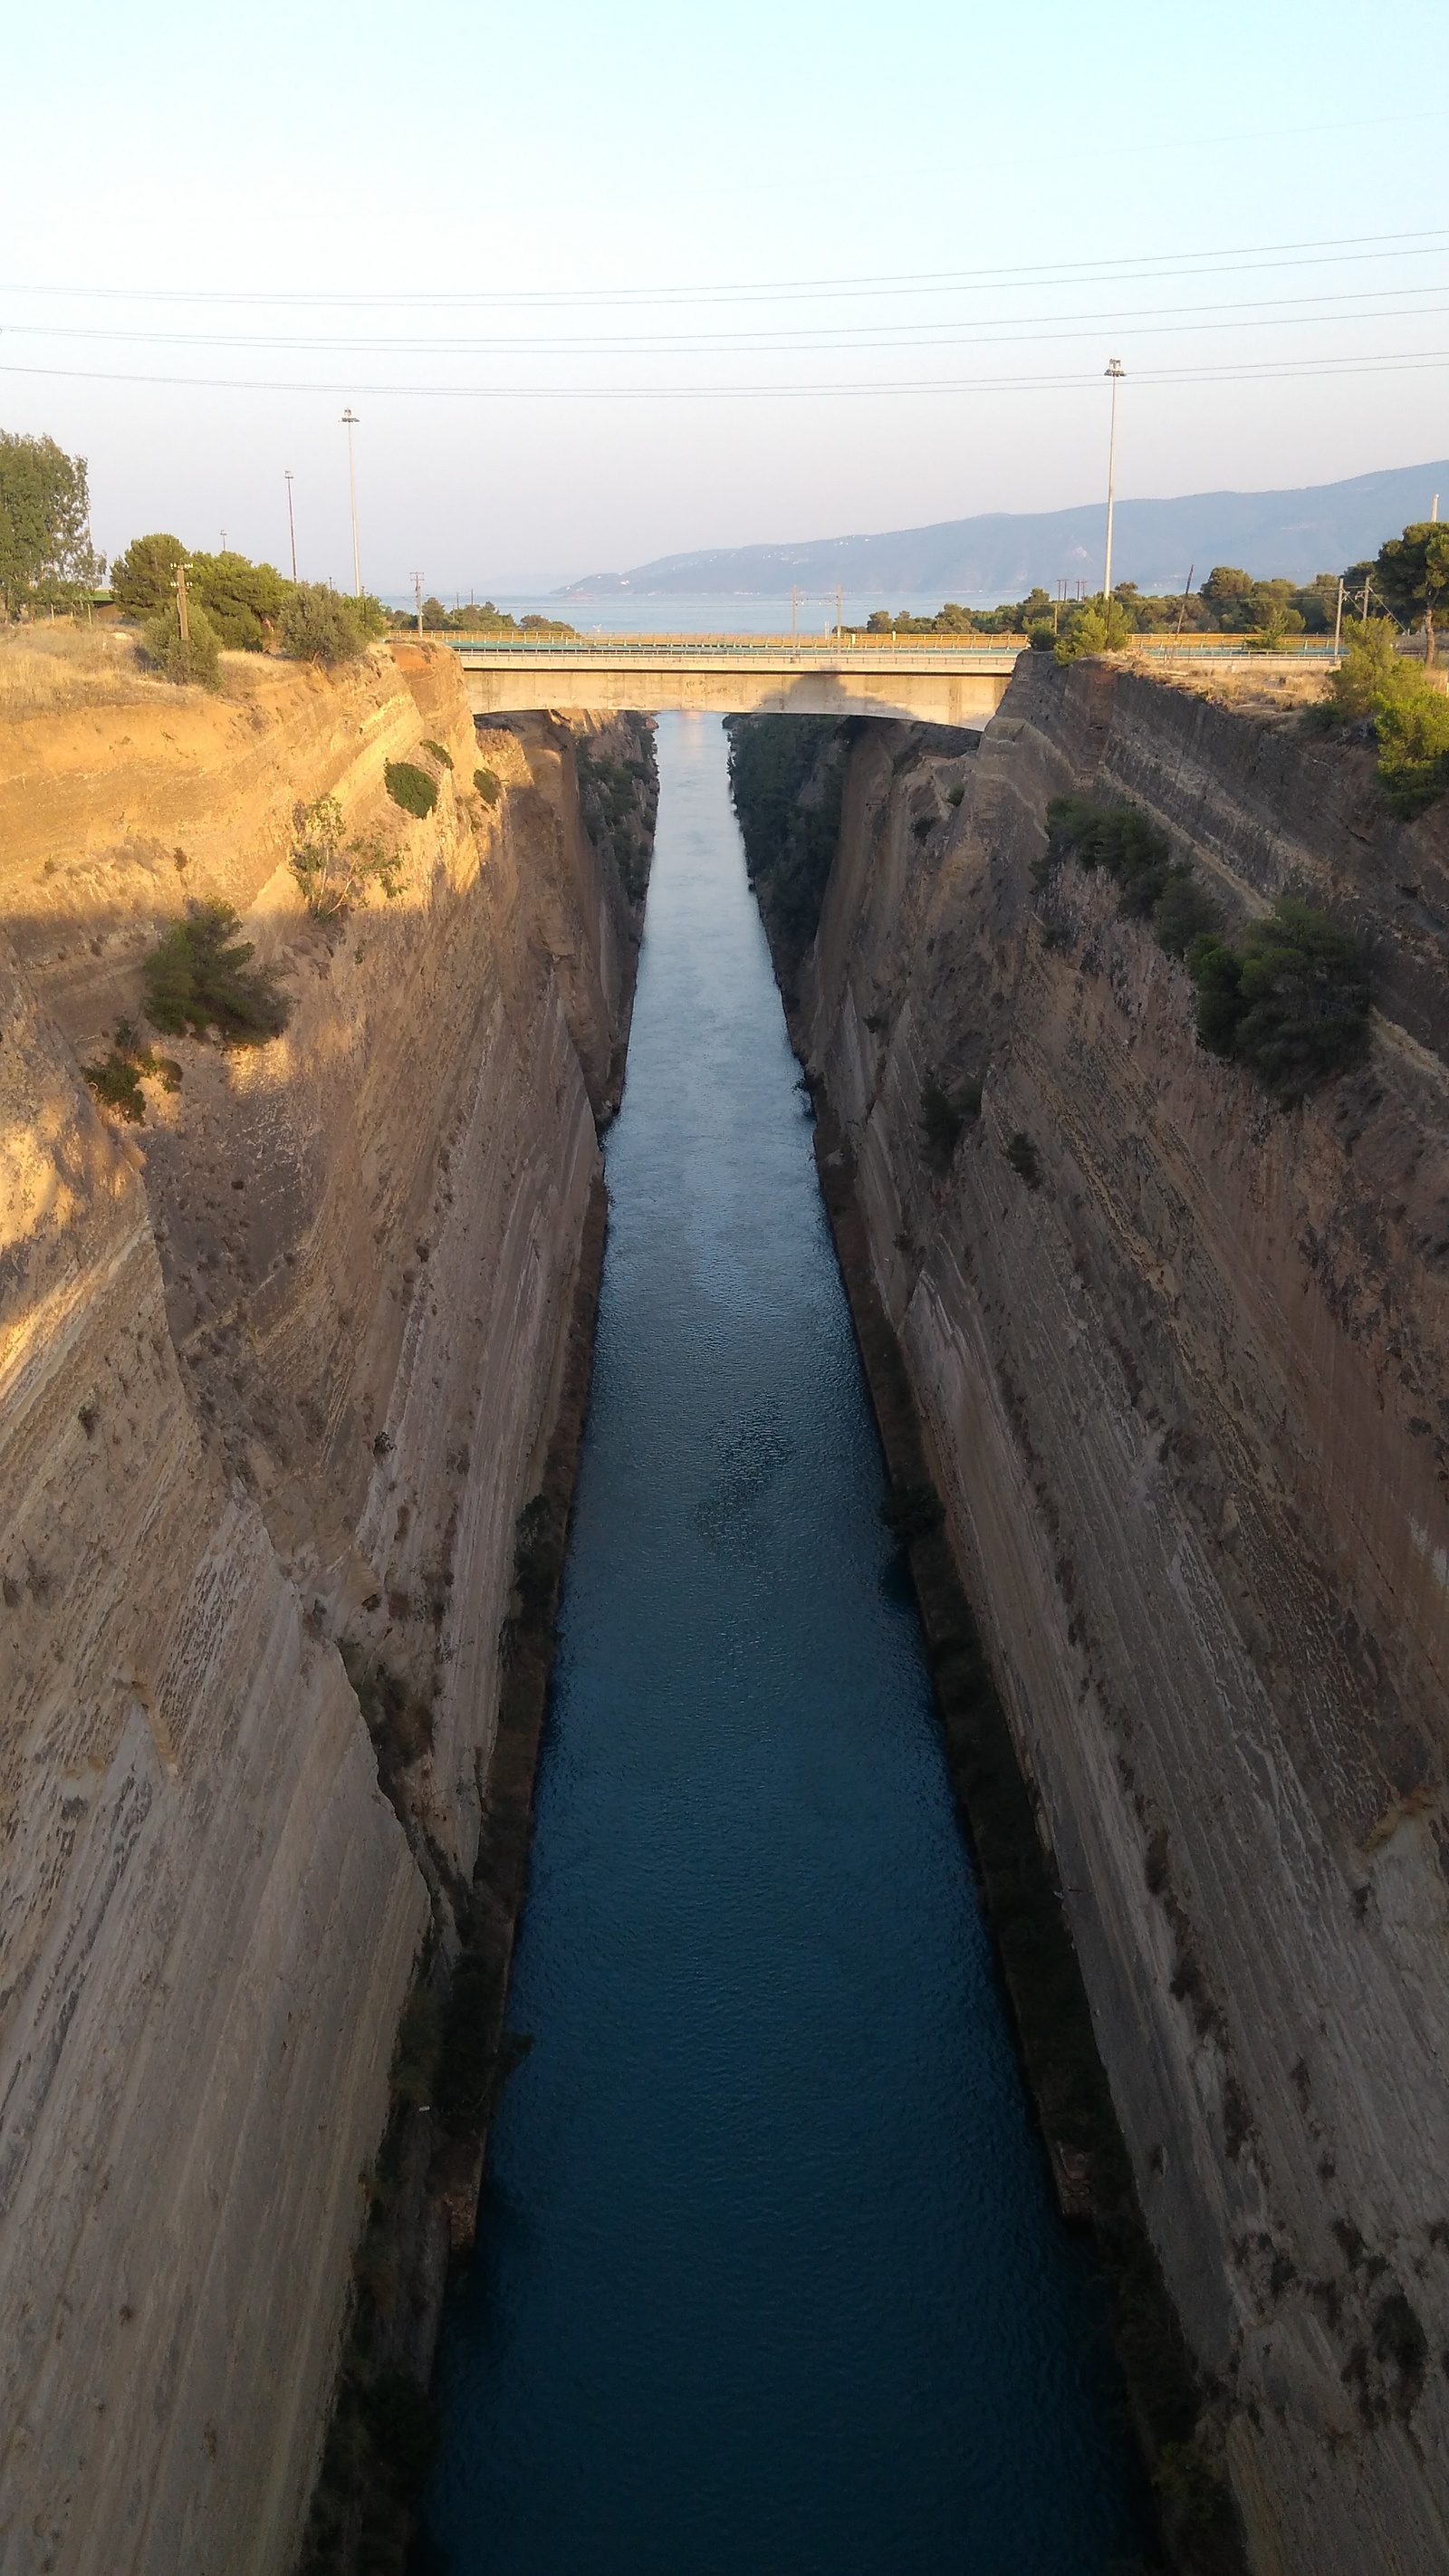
(1387, 362)
(1318, 252)
(1239, 315)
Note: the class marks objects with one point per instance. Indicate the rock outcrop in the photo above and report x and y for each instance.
(1183, 1372)
(277, 1372)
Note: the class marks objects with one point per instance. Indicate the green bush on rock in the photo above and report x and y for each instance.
(191, 657)
(199, 978)
(1292, 1002)
(410, 787)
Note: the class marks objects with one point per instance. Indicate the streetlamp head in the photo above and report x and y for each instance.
(349, 417)
(1116, 368)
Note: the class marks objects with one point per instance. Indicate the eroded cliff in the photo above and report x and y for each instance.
(1183, 1375)
(278, 1369)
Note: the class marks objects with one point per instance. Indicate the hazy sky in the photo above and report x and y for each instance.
(281, 208)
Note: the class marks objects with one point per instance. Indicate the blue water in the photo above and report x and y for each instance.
(768, 2281)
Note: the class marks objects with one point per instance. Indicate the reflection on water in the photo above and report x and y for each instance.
(768, 2282)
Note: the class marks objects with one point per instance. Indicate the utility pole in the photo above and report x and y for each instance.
(839, 617)
(1338, 621)
(794, 607)
(1115, 373)
(418, 597)
(1368, 585)
(350, 423)
(183, 619)
(1186, 594)
(291, 522)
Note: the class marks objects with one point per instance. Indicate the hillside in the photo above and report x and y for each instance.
(1294, 534)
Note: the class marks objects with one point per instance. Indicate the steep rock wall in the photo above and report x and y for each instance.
(277, 1369)
(1188, 1401)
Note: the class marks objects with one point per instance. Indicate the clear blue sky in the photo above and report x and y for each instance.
(410, 156)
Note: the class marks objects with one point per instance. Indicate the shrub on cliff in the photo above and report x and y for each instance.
(1095, 626)
(410, 787)
(488, 784)
(116, 1078)
(1137, 856)
(244, 600)
(316, 624)
(942, 1117)
(190, 657)
(333, 873)
(1292, 1002)
(199, 978)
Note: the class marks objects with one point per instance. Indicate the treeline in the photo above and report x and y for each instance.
(235, 605)
(471, 619)
(1406, 582)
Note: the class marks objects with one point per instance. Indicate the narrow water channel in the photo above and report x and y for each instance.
(769, 2281)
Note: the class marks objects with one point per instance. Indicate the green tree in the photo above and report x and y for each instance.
(1412, 576)
(318, 625)
(143, 579)
(243, 600)
(45, 536)
(1093, 626)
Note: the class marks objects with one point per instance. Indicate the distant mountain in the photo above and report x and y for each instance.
(1320, 528)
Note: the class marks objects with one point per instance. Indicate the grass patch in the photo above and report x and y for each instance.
(201, 978)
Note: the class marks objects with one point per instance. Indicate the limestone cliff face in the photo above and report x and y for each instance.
(1188, 1400)
(276, 1370)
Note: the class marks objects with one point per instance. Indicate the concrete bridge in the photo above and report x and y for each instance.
(946, 680)
(740, 675)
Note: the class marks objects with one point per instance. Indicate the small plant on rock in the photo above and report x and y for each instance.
(335, 874)
(440, 753)
(943, 1115)
(488, 784)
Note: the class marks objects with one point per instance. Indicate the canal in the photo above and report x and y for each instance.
(769, 2280)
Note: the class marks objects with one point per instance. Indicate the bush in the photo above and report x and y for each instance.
(190, 658)
(411, 787)
(488, 784)
(1022, 1155)
(116, 1083)
(911, 1512)
(1138, 857)
(199, 979)
(242, 599)
(1182, 912)
(1293, 1002)
(116, 1080)
(318, 625)
(1097, 626)
(333, 874)
(441, 754)
(943, 1115)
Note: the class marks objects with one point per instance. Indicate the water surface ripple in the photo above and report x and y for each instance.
(769, 2282)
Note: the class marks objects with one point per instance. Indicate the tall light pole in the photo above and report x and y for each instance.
(1116, 371)
(350, 423)
(291, 521)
